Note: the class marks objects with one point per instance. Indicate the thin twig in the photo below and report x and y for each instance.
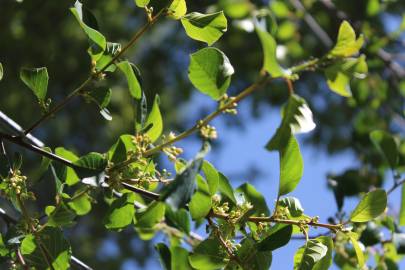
(80, 88)
(395, 186)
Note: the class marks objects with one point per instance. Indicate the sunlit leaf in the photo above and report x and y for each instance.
(371, 206)
(88, 23)
(151, 215)
(53, 241)
(177, 9)
(155, 119)
(359, 252)
(210, 72)
(205, 27)
(142, 3)
(90, 165)
(347, 44)
(37, 80)
(133, 83)
(121, 212)
(200, 204)
(293, 205)
(270, 63)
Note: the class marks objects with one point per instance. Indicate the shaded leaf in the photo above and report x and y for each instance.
(386, 144)
(179, 219)
(326, 261)
(359, 252)
(178, 193)
(255, 198)
(225, 188)
(142, 3)
(90, 165)
(251, 257)
(278, 237)
(208, 255)
(308, 255)
(293, 205)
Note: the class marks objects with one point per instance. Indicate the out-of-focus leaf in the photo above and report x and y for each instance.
(121, 212)
(208, 255)
(177, 9)
(347, 44)
(371, 206)
(386, 144)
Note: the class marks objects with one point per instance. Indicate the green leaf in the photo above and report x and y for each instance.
(37, 80)
(297, 118)
(359, 252)
(155, 119)
(341, 73)
(371, 206)
(308, 255)
(255, 198)
(90, 165)
(402, 211)
(179, 219)
(88, 23)
(200, 204)
(66, 174)
(81, 204)
(101, 97)
(164, 256)
(133, 84)
(269, 46)
(3, 248)
(60, 215)
(148, 217)
(326, 261)
(291, 167)
(293, 205)
(208, 255)
(177, 9)
(178, 193)
(212, 176)
(386, 145)
(56, 246)
(118, 152)
(225, 188)
(1, 72)
(205, 27)
(180, 259)
(110, 51)
(278, 237)
(236, 9)
(142, 3)
(251, 257)
(347, 44)
(121, 212)
(210, 72)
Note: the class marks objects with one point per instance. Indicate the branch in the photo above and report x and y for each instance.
(246, 92)
(395, 186)
(77, 91)
(332, 227)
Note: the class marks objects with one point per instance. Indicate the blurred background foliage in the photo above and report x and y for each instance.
(36, 33)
